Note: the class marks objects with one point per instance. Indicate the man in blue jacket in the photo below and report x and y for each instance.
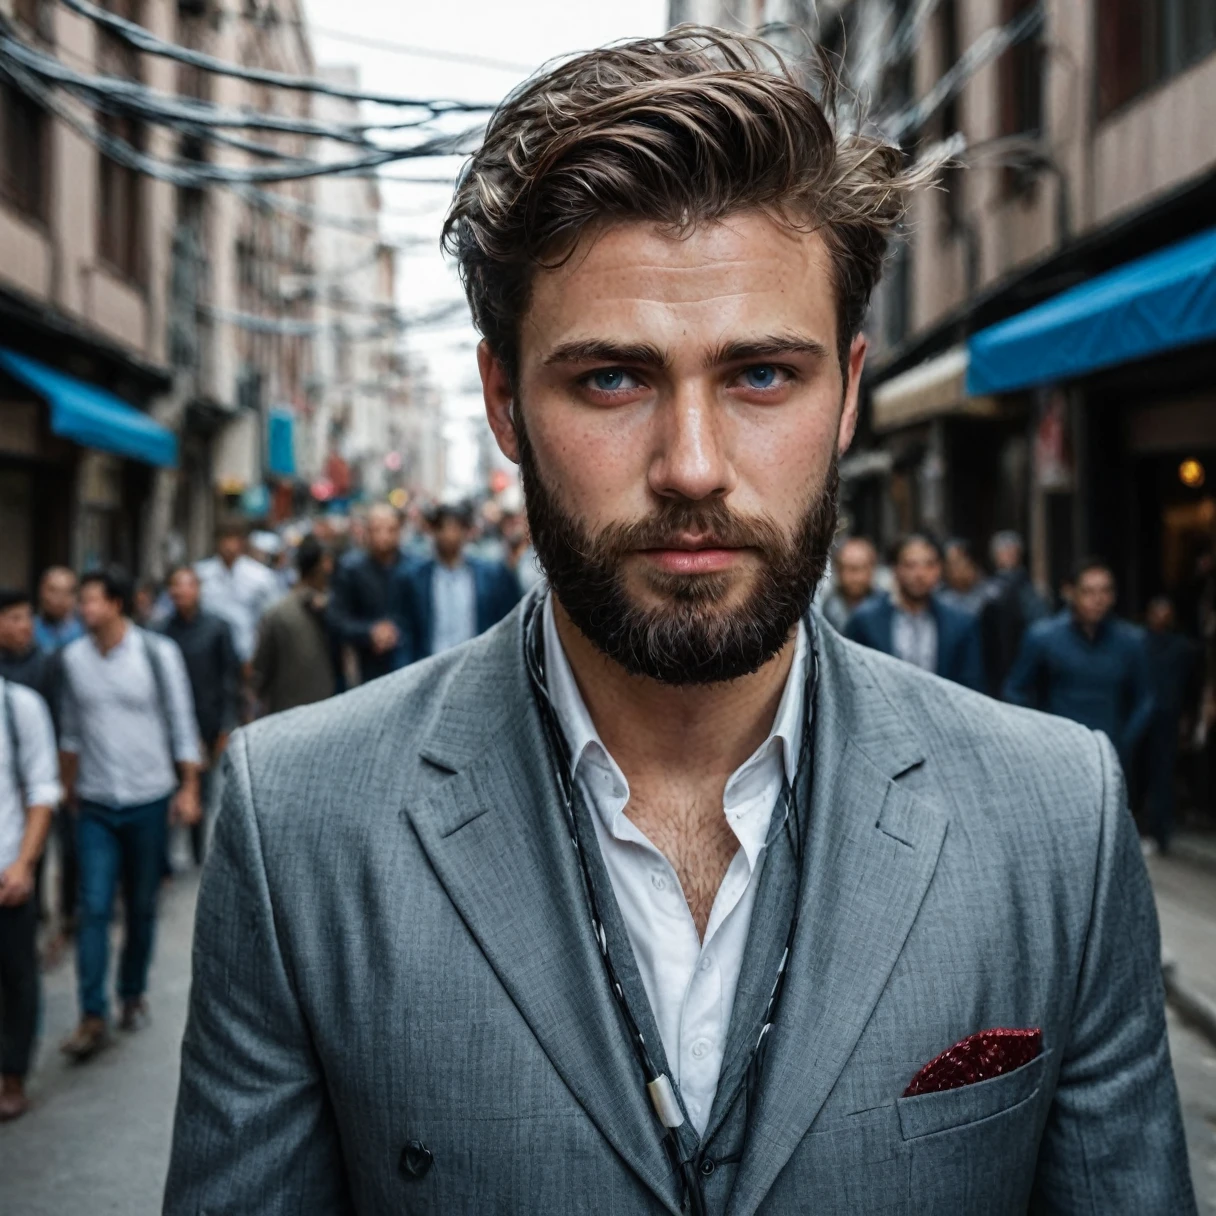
(915, 625)
(452, 597)
(1087, 665)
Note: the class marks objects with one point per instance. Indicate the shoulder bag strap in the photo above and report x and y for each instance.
(162, 687)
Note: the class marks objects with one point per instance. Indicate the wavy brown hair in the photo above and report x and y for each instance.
(682, 129)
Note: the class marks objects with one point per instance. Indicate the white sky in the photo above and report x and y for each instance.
(526, 32)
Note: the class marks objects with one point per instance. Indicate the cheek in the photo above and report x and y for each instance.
(782, 458)
(595, 463)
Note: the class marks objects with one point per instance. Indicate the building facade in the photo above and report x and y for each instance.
(87, 407)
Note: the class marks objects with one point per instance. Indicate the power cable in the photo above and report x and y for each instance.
(136, 36)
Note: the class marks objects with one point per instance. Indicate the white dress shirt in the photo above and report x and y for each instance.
(113, 719)
(39, 765)
(453, 606)
(691, 984)
(239, 593)
(914, 638)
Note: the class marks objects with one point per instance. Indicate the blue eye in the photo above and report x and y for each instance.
(611, 380)
(764, 375)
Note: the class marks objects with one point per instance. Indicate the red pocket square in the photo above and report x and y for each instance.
(978, 1057)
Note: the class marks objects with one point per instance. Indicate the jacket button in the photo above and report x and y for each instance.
(708, 1165)
(416, 1160)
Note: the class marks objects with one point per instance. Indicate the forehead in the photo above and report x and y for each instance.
(917, 551)
(747, 274)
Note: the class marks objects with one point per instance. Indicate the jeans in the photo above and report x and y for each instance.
(18, 987)
(125, 842)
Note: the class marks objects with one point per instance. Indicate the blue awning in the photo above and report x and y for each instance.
(281, 443)
(91, 416)
(1154, 304)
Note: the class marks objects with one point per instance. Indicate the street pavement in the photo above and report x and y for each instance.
(96, 1142)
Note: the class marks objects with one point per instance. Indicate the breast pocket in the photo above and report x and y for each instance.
(973, 1149)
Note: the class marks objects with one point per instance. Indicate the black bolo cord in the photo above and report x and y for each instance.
(659, 1087)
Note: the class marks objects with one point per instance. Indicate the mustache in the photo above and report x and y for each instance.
(712, 522)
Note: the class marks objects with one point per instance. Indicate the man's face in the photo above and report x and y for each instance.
(918, 571)
(961, 572)
(681, 401)
(1160, 616)
(17, 628)
(57, 595)
(383, 533)
(451, 536)
(184, 592)
(230, 548)
(855, 570)
(1093, 597)
(97, 610)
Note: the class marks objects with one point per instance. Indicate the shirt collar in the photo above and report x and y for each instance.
(785, 737)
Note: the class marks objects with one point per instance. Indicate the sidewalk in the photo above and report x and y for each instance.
(1186, 906)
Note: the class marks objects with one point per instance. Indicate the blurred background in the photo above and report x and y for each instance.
(223, 305)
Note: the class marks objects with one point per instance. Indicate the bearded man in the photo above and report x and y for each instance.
(660, 896)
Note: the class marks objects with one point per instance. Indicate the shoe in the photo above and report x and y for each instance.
(134, 1015)
(87, 1039)
(13, 1102)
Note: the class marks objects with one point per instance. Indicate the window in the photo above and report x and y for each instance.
(1021, 83)
(950, 119)
(120, 189)
(24, 137)
(1143, 42)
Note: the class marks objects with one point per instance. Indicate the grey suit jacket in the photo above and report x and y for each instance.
(393, 947)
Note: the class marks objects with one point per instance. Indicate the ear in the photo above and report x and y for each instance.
(499, 398)
(848, 415)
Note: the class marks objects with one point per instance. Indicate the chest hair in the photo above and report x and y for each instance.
(690, 829)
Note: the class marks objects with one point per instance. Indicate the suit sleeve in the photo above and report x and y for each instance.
(230, 673)
(1143, 702)
(1021, 687)
(1114, 1139)
(254, 1130)
(343, 620)
(404, 615)
(971, 666)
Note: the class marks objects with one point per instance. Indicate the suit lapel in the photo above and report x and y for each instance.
(870, 856)
(490, 821)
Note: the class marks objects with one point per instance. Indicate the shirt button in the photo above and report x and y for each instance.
(700, 1049)
(658, 881)
(707, 963)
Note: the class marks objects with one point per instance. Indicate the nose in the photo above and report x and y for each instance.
(691, 459)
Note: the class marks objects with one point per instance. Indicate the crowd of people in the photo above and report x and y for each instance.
(1147, 687)
(119, 697)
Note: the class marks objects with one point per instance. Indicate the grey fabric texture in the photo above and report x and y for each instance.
(392, 946)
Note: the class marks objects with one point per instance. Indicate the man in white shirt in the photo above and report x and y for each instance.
(237, 587)
(130, 758)
(29, 791)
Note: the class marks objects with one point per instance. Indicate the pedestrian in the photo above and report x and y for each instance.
(236, 586)
(29, 792)
(853, 564)
(205, 641)
(658, 897)
(1176, 673)
(360, 609)
(295, 662)
(56, 623)
(452, 597)
(519, 552)
(964, 586)
(1011, 605)
(1087, 665)
(23, 662)
(129, 757)
(914, 624)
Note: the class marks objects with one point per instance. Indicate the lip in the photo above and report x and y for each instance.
(693, 558)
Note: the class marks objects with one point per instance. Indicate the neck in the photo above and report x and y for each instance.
(452, 562)
(385, 557)
(188, 614)
(107, 636)
(653, 730)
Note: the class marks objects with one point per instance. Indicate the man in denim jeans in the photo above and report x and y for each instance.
(128, 723)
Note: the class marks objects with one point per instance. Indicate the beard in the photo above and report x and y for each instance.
(695, 635)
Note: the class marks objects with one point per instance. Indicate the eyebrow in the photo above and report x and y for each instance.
(767, 348)
(594, 350)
